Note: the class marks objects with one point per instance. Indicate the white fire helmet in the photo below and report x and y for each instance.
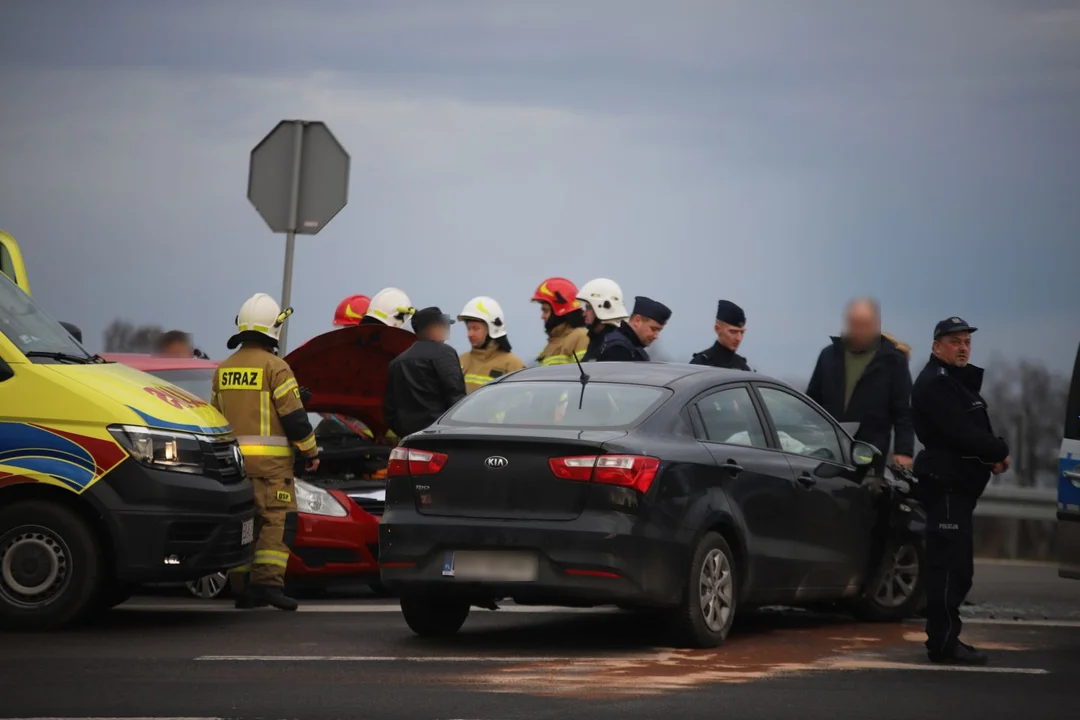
(605, 297)
(391, 306)
(487, 311)
(260, 313)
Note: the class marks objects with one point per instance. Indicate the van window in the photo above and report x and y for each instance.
(1072, 412)
(7, 265)
(30, 329)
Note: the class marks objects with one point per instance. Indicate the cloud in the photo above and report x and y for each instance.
(783, 158)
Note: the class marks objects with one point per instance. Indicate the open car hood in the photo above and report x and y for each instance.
(346, 370)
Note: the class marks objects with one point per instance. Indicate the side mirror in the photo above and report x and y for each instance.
(863, 454)
(6, 372)
(73, 330)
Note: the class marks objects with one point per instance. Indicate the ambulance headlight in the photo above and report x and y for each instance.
(161, 449)
(316, 501)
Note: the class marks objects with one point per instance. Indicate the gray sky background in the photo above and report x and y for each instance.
(785, 155)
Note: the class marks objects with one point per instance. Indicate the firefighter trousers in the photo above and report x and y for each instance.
(275, 498)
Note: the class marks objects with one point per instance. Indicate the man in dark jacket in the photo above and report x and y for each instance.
(628, 342)
(730, 327)
(961, 451)
(863, 377)
(426, 380)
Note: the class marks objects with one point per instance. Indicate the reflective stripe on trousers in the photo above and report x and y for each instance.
(258, 446)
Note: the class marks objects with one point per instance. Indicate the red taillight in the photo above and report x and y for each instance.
(636, 471)
(409, 461)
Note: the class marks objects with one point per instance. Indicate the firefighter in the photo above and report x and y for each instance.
(605, 311)
(491, 355)
(351, 310)
(257, 393)
(564, 322)
(390, 306)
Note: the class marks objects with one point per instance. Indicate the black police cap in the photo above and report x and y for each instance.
(730, 313)
(652, 309)
(952, 325)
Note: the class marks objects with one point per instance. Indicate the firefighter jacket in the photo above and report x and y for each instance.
(564, 343)
(257, 393)
(483, 365)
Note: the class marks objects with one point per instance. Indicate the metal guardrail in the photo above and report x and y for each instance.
(1018, 503)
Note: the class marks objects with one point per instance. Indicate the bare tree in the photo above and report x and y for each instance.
(125, 337)
(1027, 403)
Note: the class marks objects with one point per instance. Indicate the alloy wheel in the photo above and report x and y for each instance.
(208, 587)
(900, 579)
(716, 590)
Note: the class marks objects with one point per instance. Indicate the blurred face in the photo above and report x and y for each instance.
(545, 312)
(590, 315)
(954, 349)
(861, 325)
(477, 333)
(729, 336)
(438, 333)
(177, 349)
(646, 329)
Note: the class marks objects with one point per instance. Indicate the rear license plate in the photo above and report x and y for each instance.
(491, 566)
(247, 532)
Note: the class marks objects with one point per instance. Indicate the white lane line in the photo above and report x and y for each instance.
(129, 718)
(417, 658)
(883, 665)
(1018, 623)
(350, 608)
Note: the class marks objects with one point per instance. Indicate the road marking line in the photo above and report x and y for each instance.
(1018, 623)
(113, 718)
(884, 665)
(342, 608)
(418, 658)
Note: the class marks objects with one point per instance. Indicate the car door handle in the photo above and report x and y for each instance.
(806, 480)
(1072, 474)
(732, 467)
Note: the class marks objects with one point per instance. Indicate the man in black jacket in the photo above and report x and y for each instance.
(960, 453)
(426, 380)
(628, 342)
(730, 327)
(863, 377)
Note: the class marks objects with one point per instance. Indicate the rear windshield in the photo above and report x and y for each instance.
(555, 404)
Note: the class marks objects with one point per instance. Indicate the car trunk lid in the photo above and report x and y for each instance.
(504, 474)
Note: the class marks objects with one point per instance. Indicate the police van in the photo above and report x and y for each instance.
(1068, 517)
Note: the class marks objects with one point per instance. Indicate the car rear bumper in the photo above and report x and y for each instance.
(597, 559)
(328, 548)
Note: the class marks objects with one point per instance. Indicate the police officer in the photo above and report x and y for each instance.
(730, 327)
(629, 341)
(961, 450)
(605, 311)
(257, 393)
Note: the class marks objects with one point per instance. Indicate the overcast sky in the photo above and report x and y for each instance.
(784, 155)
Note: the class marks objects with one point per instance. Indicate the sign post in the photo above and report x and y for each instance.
(298, 180)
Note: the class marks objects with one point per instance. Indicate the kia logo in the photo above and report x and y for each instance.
(496, 462)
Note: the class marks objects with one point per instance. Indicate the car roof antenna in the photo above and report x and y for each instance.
(584, 380)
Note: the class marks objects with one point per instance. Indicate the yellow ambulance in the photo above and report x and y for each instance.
(109, 477)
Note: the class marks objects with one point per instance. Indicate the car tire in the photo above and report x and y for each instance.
(900, 592)
(48, 544)
(432, 616)
(707, 611)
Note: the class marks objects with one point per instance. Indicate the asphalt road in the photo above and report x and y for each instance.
(355, 658)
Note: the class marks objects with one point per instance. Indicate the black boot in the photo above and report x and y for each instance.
(959, 654)
(273, 595)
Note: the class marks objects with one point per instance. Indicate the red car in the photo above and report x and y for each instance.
(336, 528)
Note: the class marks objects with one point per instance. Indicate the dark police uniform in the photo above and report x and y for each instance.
(719, 356)
(623, 344)
(596, 341)
(951, 421)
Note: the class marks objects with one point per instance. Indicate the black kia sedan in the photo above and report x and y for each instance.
(676, 488)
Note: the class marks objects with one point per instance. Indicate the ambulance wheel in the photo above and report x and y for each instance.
(432, 616)
(51, 566)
